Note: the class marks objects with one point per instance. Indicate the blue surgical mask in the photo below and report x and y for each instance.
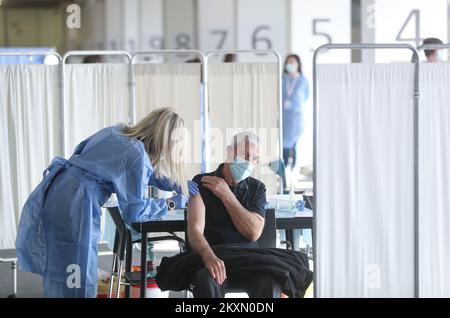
(241, 169)
(291, 68)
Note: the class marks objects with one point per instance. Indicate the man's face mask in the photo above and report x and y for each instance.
(241, 169)
(442, 55)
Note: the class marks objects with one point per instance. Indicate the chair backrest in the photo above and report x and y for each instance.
(309, 202)
(268, 238)
(121, 232)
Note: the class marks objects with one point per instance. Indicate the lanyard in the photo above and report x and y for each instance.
(290, 87)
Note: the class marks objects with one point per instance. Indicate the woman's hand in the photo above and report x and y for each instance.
(180, 201)
(216, 268)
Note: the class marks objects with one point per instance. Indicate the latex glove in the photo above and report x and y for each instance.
(193, 188)
(180, 201)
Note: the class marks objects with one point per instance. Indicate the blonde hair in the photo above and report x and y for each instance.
(161, 131)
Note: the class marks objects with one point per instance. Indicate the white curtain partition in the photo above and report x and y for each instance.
(365, 174)
(177, 86)
(242, 97)
(434, 176)
(97, 96)
(29, 137)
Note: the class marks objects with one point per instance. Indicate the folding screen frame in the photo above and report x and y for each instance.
(415, 60)
(280, 96)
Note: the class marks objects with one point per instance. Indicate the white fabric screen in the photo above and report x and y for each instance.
(244, 97)
(178, 86)
(29, 137)
(97, 96)
(365, 173)
(434, 161)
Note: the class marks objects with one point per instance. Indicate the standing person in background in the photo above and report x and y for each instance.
(295, 94)
(433, 56)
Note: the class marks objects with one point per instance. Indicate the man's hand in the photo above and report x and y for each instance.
(218, 186)
(216, 268)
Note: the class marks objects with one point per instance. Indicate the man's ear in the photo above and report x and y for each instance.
(230, 154)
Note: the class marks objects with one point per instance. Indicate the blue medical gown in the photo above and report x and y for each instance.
(60, 222)
(293, 124)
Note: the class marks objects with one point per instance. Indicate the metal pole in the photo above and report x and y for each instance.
(90, 53)
(202, 57)
(279, 94)
(14, 269)
(416, 96)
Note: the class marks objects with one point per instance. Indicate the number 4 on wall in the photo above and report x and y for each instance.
(414, 13)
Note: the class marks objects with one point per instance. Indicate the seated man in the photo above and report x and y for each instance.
(230, 209)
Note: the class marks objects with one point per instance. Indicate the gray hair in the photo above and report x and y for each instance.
(244, 136)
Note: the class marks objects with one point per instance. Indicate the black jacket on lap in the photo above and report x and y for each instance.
(290, 269)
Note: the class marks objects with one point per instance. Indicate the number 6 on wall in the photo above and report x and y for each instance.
(256, 40)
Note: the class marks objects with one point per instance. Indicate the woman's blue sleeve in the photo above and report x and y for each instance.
(163, 183)
(131, 194)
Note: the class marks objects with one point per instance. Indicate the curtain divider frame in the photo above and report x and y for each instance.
(416, 96)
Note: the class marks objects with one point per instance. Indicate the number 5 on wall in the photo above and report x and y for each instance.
(315, 23)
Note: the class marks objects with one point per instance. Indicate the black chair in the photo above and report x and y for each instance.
(123, 243)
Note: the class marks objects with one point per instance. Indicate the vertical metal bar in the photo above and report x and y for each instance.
(415, 60)
(128, 260)
(111, 280)
(315, 154)
(14, 282)
(205, 147)
(119, 277)
(143, 263)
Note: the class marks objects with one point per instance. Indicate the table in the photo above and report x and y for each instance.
(174, 221)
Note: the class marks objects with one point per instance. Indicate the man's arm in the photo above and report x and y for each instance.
(249, 224)
(198, 242)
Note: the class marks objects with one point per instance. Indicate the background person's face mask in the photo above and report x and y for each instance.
(442, 55)
(241, 169)
(291, 68)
